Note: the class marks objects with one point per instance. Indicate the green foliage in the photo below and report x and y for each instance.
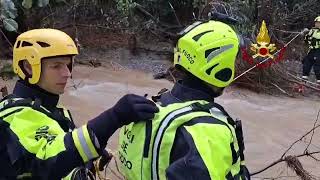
(10, 24)
(27, 4)
(124, 6)
(9, 12)
(245, 13)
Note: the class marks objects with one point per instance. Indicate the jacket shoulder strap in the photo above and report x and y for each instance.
(236, 124)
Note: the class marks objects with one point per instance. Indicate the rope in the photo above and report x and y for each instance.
(289, 32)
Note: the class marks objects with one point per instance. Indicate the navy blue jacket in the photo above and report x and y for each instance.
(65, 161)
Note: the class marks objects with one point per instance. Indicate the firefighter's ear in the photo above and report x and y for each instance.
(26, 67)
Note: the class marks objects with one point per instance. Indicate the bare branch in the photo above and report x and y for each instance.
(288, 158)
(6, 38)
(285, 92)
(282, 159)
(313, 131)
(299, 140)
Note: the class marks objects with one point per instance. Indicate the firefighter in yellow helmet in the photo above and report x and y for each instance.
(312, 59)
(38, 139)
(191, 137)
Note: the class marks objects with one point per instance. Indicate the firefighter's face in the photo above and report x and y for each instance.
(55, 74)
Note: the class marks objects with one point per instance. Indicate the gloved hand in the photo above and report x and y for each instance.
(104, 160)
(134, 108)
(130, 108)
(304, 31)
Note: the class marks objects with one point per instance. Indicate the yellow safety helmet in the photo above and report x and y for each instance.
(317, 19)
(34, 45)
(208, 50)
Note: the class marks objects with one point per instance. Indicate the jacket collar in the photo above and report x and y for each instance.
(25, 90)
(185, 91)
(188, 90)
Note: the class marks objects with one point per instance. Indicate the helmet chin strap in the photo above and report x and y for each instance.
(23, 65)
(70, 66)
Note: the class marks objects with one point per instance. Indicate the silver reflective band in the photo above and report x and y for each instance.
(189, 28)
(84, 144)
(5, 102)
(216, 112)
(157, 142)
(218, 51)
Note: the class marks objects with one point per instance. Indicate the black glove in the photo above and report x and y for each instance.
(133, 108)
(130, 108)
(104, 160)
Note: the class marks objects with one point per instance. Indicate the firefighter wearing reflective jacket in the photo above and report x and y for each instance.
(38, 139)
(191, 137)
(312, 38)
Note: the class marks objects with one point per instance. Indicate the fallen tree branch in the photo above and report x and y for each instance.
(282, 159)
(92, 26)
(298, 80)
(314, 125)
(306, 85)
(312, 130)
(285, 92)
(285, 158)
(6, 38)
(145, 12)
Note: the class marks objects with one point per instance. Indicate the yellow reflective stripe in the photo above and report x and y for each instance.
(66, 114)
(78, 145)
(84, 144)
(9, 110)
(235, 168)
(5, 102)
(24, 175)
(89, 142)
(65, 111)
(158, 137)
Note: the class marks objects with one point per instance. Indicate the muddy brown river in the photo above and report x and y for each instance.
(270, 124)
